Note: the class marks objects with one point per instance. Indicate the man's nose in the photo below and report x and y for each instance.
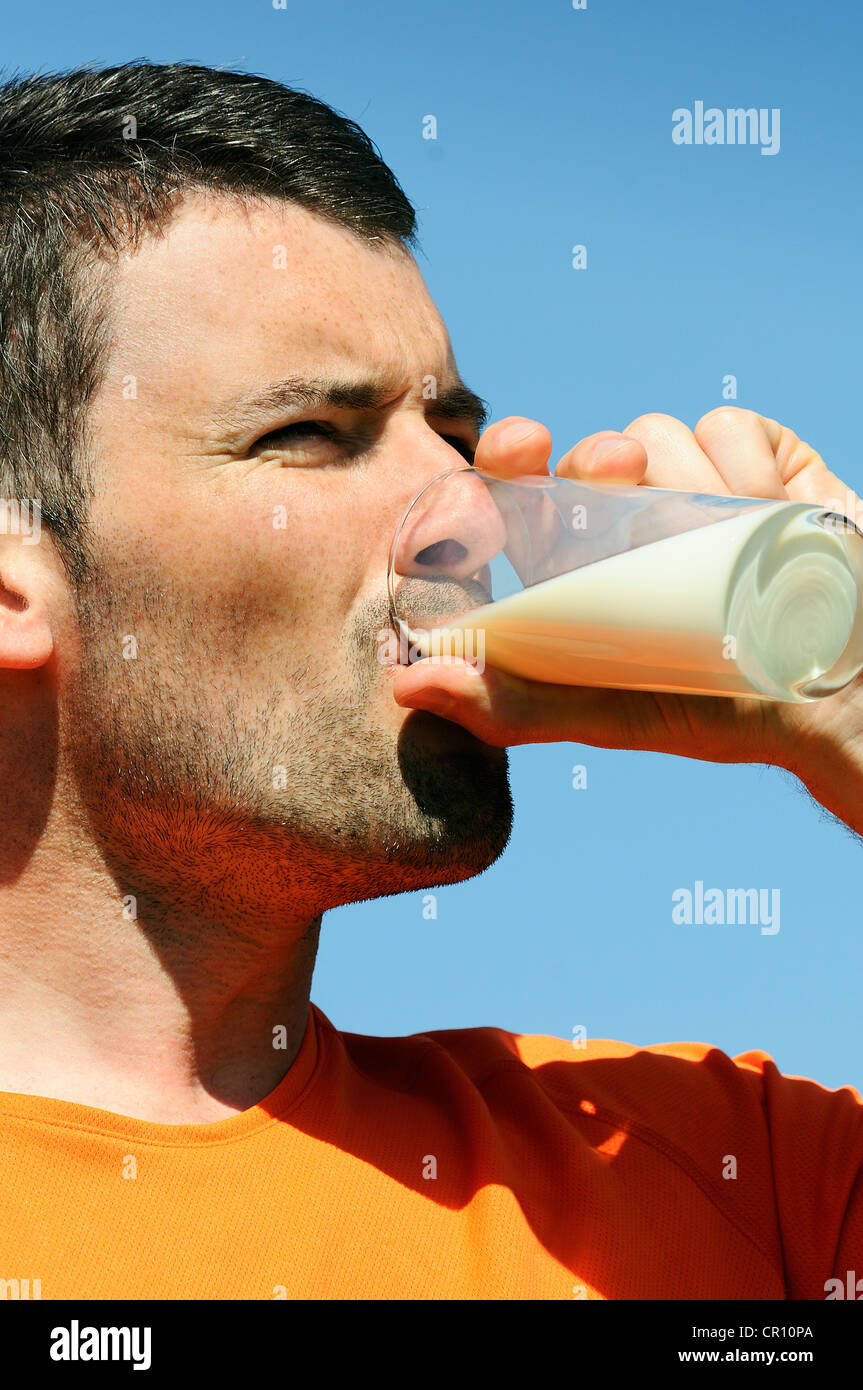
(453, 528)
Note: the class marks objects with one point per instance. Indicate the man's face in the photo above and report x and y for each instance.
(229, 714)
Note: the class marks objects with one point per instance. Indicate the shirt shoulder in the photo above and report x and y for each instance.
(780, 1156)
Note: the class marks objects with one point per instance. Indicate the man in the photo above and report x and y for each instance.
(216, 344)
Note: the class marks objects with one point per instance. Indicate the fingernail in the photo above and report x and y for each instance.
(518, 432)
(607, 446)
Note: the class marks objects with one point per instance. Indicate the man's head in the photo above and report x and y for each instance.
(216, 357)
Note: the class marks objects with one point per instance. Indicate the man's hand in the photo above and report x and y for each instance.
(730, 451)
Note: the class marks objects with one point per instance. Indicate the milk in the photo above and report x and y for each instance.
(758, 604)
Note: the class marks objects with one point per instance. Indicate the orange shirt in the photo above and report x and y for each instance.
(474, 1163)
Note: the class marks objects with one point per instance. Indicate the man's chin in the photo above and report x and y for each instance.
(460, 789)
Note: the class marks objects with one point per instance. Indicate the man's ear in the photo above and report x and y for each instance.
(26, 584)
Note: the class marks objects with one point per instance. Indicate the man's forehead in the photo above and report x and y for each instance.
(219, 251)
(227, 291)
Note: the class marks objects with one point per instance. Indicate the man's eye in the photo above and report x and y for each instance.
(301, 430)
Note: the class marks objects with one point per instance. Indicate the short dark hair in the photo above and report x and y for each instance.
(92, 159)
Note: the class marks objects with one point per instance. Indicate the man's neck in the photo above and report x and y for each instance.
(186, 1020)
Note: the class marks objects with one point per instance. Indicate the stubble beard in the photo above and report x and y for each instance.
(279, 793)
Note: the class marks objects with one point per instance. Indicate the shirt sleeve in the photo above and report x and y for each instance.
(816, 1142)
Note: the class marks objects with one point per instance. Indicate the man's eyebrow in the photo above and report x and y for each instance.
(456, 402)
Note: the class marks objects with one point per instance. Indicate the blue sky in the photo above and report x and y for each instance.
(554, 129)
